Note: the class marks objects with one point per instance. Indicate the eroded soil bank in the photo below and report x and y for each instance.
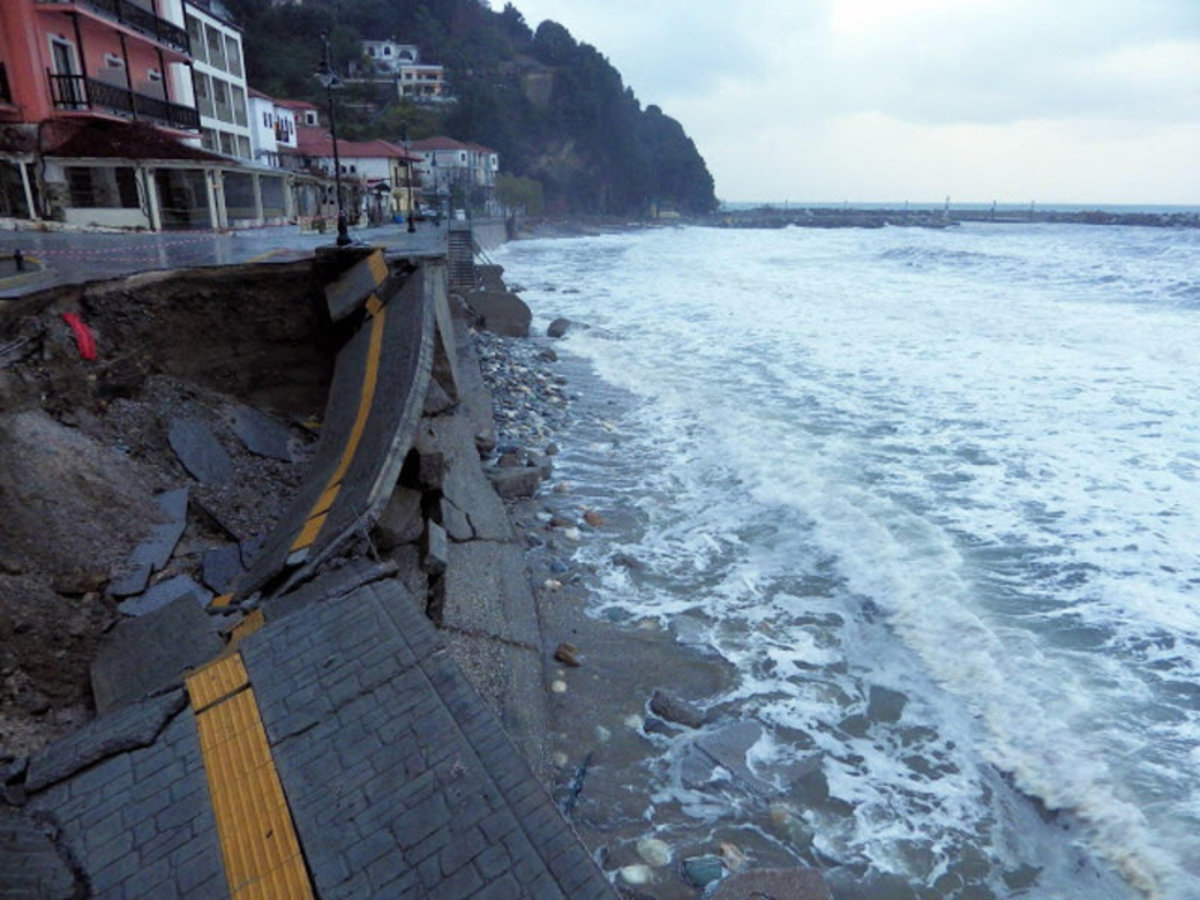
(86, 448)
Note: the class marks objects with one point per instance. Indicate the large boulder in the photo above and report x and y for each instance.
(502, 312)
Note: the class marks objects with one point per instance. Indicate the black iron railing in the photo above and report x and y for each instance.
(77, 92)
(137, 17)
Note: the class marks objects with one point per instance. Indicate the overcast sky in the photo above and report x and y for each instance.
(1086, 101)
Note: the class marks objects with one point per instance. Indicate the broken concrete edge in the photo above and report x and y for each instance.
(388, 472)
(128, 728)
(326, 584)
(347, 290)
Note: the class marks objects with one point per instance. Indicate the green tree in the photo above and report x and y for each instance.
(517, 192)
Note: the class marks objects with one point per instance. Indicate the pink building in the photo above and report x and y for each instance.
(99, 124)
(96, 57)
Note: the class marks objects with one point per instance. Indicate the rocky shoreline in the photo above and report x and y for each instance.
(619, 692)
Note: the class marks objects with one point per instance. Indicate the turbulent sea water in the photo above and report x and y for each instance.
(936, 496)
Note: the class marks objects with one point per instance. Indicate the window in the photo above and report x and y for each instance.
(221, 105)
(195, 31)
(227, 143)
(103, 187)
(233, 49)
(387, 51)
(216, 48)
(208, 139)
(63, 54)
(203, 94)
(371, 52)
(243, 146)
(239, 106)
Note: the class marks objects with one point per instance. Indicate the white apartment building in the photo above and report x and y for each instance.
(219, 79)
(272, 129)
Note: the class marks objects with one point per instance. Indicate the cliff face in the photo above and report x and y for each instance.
(555, 109)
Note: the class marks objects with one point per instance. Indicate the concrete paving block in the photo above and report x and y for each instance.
(133, 726)
(260, 433)
(163, 593)
(174, 505)
(152, 553)
(199, 451)
(250, 547)
(151, 652)
(30, 866)
(129, 578)
(220, 566)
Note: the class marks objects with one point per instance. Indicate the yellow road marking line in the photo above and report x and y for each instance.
(325, 500)
(319, 514)
(254, 826)
(267, 255)
(378, 267)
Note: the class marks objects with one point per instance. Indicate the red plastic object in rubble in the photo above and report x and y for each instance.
(83, 335)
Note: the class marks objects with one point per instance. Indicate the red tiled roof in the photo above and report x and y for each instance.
(96, 138)
(312, 141)
(441, 142)
(296, 104)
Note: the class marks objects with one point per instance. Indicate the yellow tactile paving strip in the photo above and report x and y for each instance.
(217, 680)
(254, 826)
(320, 511)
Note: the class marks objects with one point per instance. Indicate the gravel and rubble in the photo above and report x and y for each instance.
(87, 450)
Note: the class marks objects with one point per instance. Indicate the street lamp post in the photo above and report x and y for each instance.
(412, 225)
(328, 78)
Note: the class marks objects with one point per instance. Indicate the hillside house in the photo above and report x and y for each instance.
(390, 60)
(450, 167)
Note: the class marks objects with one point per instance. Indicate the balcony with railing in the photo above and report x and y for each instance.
(80, 93)
(135, 16)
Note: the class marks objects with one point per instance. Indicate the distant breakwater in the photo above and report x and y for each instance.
(817, 217)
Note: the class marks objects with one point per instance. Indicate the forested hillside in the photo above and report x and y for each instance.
(554, 108)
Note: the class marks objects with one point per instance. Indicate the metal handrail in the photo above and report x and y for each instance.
(139, 18)
(78, 92)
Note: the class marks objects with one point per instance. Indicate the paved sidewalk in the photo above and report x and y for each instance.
(399, 780)
(78, 257)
